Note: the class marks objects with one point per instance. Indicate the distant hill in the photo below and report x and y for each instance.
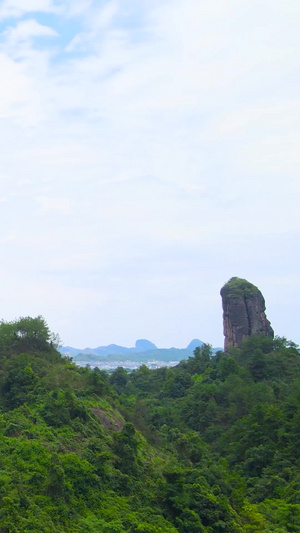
(143, 350)
(194, 344)
(141, 345)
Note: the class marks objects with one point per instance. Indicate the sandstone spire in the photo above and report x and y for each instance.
(243, 312)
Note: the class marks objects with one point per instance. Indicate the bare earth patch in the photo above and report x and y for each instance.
(109, 422)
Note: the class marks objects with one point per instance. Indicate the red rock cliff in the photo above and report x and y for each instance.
(243, 312)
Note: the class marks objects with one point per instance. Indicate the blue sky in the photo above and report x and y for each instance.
(149, 152)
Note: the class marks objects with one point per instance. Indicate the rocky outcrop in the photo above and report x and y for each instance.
(142, 345)
(243, 312)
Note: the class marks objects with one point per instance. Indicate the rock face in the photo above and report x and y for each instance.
(194, 344)
(143, 345)
(243, 312)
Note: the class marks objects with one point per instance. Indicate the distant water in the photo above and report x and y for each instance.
(129, 365)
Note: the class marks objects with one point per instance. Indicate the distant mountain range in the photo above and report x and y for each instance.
(143, 350)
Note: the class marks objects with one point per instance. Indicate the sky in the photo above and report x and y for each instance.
(149, 151)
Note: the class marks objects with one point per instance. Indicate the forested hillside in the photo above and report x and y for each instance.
(211, 445)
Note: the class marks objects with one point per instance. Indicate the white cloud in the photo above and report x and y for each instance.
(104, 17)
(25, 30)
(17, 8)
(53, 206)
(77, 7)
(96, 20)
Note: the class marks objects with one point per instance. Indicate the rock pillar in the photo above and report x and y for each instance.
(243, 312)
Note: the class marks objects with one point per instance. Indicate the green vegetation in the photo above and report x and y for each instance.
(211, 445)
(236, 287)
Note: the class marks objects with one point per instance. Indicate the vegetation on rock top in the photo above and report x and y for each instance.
(237, 287)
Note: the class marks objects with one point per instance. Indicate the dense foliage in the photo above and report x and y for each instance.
(211, 445)
(236, 287)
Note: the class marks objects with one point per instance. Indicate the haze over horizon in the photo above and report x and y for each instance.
(149, 152)
(134, 346)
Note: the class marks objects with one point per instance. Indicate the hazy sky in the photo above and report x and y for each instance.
(150, 150)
